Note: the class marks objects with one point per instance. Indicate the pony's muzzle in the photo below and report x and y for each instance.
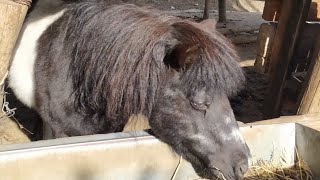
(241, 168)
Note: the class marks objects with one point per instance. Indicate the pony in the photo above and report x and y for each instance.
(87, 66)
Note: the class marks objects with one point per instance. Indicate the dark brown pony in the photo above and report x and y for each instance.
(99, 63)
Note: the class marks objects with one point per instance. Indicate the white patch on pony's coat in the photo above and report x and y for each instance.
(235, 133)
(201, 138)
(21, 73)
(137, 122)
(228, 120)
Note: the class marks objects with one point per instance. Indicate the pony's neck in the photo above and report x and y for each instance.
(44, 8)
(49, 3)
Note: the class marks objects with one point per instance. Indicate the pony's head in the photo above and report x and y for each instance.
(177, 73)
(192, 112)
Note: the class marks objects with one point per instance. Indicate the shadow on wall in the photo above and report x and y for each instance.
(250, 5)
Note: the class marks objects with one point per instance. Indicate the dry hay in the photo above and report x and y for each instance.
(10, 132)
(265, 171)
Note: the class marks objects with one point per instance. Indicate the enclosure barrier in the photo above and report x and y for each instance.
(12, 15)
(291, 23)
(288, 54)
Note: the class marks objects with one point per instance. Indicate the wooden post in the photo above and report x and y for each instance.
(206, 9)
(12, 14)
(309, 100)
(272, 10)
(222, 11)
(265, 41)
(292, 19)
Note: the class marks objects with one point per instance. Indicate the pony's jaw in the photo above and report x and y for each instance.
(208, 139)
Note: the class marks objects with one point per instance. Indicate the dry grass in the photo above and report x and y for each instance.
(264, 171)
(10, 132)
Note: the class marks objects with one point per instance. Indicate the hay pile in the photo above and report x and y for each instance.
(263, 171)
(10, 132)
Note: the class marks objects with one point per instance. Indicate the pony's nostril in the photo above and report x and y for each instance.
(241, 168)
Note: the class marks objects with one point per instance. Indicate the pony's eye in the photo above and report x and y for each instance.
(199, 106)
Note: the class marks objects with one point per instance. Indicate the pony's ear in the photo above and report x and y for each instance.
(189, 56)
(159, 51)
(207, 25)
(162, 48)
(174, 54)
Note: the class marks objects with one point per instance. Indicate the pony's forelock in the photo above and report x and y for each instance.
(217, 66)
(119, 73)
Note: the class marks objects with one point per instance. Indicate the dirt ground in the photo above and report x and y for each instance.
(232, 5)
(247, 105)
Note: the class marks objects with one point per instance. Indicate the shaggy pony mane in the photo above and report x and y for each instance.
(115, 68)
